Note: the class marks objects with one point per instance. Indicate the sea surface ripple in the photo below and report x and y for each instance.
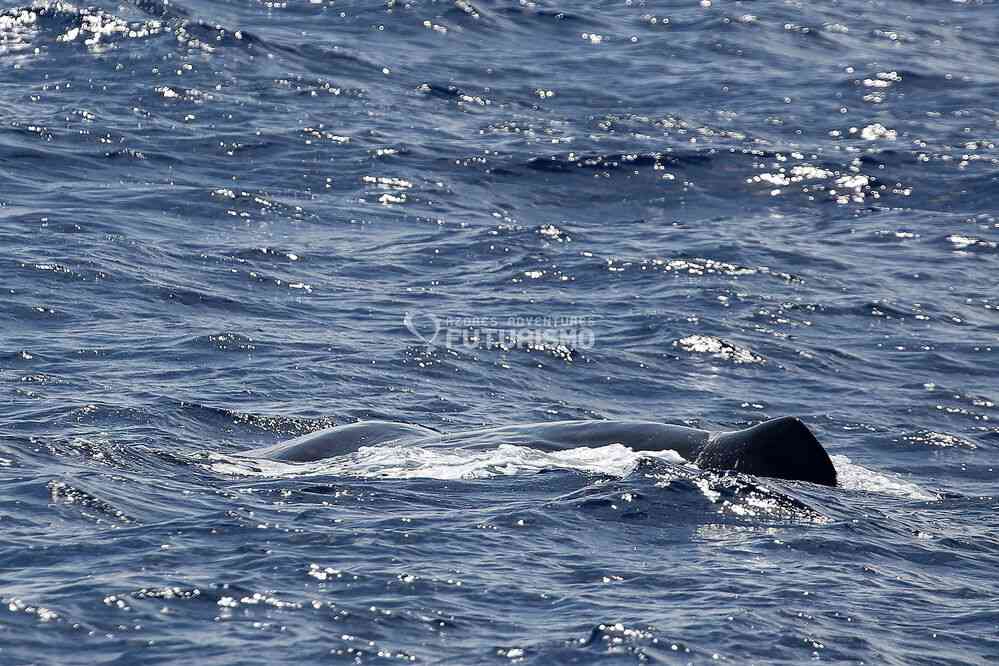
(226, 223)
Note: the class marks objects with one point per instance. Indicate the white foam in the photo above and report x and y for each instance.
(617, 460)
(852, 476)
(408, 462)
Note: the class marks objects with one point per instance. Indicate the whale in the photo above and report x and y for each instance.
(781, 448)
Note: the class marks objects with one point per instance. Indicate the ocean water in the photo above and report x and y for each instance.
(227, 223)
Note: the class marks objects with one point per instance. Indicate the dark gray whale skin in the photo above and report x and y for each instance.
(781, 448)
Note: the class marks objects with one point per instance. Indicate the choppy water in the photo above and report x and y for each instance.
(229, 223)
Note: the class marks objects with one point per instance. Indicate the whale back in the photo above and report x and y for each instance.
(782, 448)
(338, 441)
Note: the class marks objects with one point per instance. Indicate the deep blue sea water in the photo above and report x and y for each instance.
(227, 223)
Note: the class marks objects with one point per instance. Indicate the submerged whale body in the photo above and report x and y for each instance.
(782, 448)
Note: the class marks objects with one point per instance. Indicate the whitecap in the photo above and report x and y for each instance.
(852, 476)
(409, 462)
(453, 464)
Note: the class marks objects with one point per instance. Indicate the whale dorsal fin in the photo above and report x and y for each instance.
(783, 448)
